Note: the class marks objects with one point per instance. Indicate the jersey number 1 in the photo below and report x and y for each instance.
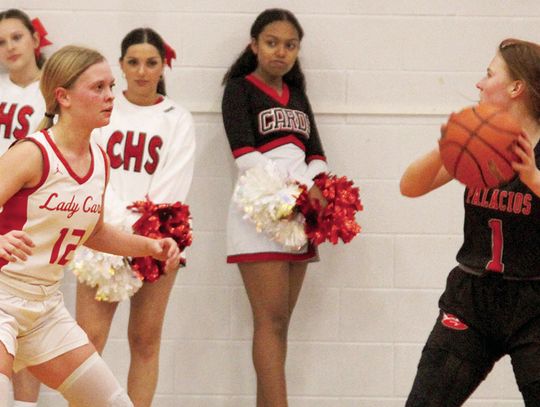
(495, 264)
(68, 247)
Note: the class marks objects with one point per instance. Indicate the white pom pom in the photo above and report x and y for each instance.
(268, 200)
(112, 275)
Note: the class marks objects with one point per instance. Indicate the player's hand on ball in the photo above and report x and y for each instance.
(167, 250)
(525, 166)
(15, 245)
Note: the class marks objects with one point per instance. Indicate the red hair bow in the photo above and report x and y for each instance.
(170, 54)
(43, 41)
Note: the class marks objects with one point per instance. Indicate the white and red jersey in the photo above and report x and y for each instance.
(151, 151)
(58, 214)
(21, 110)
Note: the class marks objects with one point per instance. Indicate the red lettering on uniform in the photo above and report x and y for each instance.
(131, 150)
(6, 118)
(90, 206)
(135, 151)
(153, 151)
(22, 117)
(70, 207)
(518, 201)
(476, 197)
(510, 203)
(527, 204)
(115, 159)
(484, 203)
(502, 197)
(494, 201)
(470, 193)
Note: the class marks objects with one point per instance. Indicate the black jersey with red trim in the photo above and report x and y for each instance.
(257, 118)
(502, 230)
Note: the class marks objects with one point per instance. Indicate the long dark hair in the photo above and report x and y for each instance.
(247, 61)
(23, 18)
(145, 35)
(523, 61)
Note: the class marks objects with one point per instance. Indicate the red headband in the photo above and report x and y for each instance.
(170, 54)
(43, 41)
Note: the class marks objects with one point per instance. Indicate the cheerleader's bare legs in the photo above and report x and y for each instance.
(273, 289)
(146, 317)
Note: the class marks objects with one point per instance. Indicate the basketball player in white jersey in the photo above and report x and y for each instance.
(52, 186)
(21, 109)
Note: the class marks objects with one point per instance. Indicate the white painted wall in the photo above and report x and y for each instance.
(382, 76)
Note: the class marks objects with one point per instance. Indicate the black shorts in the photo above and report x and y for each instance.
(485, 317)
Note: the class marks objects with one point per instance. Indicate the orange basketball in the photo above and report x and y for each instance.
(476, 146)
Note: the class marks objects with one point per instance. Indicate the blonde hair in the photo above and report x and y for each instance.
(62, 70)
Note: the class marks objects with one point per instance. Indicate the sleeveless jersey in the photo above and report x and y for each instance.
(58, 214)
(21, 110)
(272, 120)
(502, 230)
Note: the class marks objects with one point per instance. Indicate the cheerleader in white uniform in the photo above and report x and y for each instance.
(52, 191)
(21, 104)
(21, 109)
(150, 142)
(267, 117)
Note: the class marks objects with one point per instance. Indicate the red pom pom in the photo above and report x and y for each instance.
(337, 220)
(159, 221)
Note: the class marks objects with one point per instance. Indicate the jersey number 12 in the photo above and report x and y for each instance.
(67, 249)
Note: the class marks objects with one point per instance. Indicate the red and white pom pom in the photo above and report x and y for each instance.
(337, 220)
(268, 200)
(158, 221)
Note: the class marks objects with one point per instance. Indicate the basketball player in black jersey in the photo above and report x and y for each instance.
(491, 304)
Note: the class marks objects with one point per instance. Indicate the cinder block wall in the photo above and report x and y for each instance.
(382, 77)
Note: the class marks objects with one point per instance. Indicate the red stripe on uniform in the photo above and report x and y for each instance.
(271, 256)
(15, 211)
(290, 139)
(80, 180)
(282, 99)
(239, 152)
(315, 157)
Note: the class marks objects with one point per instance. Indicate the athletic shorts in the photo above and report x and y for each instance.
(35, 331)
(485, 317)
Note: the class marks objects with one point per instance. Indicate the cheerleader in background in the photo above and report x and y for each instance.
(267, 117)
(21, 109)
(151, 144)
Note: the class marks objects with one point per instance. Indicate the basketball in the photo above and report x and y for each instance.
(476, 146)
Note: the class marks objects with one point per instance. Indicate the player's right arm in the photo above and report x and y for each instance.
(424, 175)
(20, 167)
